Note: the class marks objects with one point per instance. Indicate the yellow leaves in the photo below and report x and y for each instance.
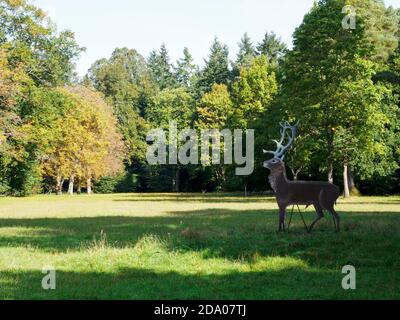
(379, 148)
(85, 142)
(215, 108)
(16, 3)
(11, 80)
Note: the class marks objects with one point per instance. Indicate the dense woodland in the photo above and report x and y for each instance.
(59, 133)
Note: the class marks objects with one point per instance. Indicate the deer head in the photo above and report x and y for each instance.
(276, 164)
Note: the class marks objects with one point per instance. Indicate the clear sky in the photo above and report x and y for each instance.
(103, 25)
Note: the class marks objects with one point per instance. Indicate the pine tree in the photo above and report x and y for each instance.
(246, 51)
(160, 68)
(380, 24)
(185, 69)
(272, 47)
(216, 69)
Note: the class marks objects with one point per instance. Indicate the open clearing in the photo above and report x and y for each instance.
(191, 246)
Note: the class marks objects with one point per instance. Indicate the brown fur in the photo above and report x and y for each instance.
(322, 195)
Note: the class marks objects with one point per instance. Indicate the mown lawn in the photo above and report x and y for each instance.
(189, 246)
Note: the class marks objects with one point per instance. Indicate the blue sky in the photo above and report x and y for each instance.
(103, 25)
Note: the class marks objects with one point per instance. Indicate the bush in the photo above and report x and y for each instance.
(4, 187)
(126, 182)
(380, 185)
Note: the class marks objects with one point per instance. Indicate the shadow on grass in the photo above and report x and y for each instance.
(364, 202)
(230, 234)
(148, 284)
(197, 197)
(368, 241)
(232, 198)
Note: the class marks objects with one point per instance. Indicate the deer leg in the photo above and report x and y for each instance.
(333, 218)
(320, 215)
(282, 213)
(290, 219)
(336, 219)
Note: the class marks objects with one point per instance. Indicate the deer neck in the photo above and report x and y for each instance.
(278, 181)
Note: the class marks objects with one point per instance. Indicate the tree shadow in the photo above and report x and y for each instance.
(141, 283)
(365, 202)
(368, 241)
(226, 233)
(196, 197)
(148, 284)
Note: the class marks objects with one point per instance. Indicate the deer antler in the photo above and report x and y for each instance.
(280, 148)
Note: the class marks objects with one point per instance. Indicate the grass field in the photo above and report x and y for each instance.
(171, 246)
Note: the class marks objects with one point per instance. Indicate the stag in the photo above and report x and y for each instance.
(322, 195)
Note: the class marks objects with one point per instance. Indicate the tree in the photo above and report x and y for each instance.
(272, 47)
(37, 56)
(102, 150)
(387, 181)
(160, 68)
(13, 84)
(380, 25)
(13, 88)
(253, 91)
(123, 78)
(174, 104)
(77, 136)
(125, 81)
(214, 111)
(185, 70)
(215, 108)
(246, 51)
(327, 85)
(216, 69)
(34, 42)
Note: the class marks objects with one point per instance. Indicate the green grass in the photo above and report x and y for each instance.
(172, 246)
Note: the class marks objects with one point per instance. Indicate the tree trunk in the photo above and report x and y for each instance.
(223, 178)
(330, 172)
(89, 185)
(346, 192)
(350, 177)
(59, 185)
(177, 182)
(78, 186)
(330, 155)
(71, 185)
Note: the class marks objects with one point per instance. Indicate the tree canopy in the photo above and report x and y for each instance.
(341, 83)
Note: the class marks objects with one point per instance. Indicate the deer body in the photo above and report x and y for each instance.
(322, 195)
